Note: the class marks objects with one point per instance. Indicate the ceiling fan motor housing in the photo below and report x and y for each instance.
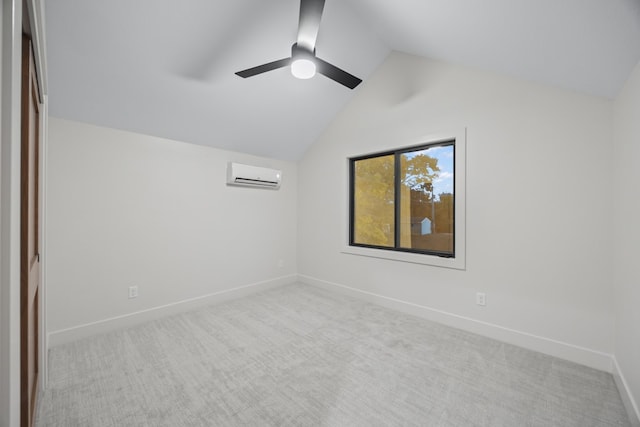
(303, 62)
(299, 52)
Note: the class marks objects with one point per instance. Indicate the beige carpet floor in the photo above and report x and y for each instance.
(302, 356)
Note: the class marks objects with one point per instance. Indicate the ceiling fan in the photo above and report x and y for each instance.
(303, 61)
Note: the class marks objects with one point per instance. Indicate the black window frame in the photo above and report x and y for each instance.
(397, 190)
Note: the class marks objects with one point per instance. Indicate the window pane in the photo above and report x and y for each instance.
(373, 201)
(426, 199)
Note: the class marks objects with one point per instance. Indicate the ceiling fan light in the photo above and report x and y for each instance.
(303, 68)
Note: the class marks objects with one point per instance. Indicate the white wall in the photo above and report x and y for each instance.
(626, 172)
(128, 209)
(538, 204)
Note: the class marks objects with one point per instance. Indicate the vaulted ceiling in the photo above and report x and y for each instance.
(166, 67)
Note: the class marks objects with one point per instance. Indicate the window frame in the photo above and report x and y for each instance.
(397, 184)
(396, 253)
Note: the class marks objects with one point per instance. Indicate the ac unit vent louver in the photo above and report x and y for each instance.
(253, 176)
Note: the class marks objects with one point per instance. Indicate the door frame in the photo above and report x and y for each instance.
(30, 273)
(35, 19)
(12, 13)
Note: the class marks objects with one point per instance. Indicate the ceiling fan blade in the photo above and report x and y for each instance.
(310, 14)
(249, 72)
(336, 74)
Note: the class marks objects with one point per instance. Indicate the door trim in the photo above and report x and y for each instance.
(10, 128)
(10, 213)
(30, 240)
(34, 12)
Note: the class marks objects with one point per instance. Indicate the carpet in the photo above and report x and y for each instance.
(303, 356)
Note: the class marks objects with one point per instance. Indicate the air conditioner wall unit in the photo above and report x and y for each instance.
(253, 176)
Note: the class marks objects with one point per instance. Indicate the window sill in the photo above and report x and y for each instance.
(457, 263)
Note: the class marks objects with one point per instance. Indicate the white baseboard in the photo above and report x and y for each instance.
(75, 333)
(626, 395)
(562, 350)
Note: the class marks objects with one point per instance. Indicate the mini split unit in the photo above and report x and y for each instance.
(253, 176)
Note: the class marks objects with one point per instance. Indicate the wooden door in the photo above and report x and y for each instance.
(29, 238)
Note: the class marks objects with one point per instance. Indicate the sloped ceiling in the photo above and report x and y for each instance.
(166, 68)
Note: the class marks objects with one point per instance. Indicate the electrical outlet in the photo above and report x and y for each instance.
(481, 299)
(133, 292)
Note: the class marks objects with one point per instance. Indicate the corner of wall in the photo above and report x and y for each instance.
(626, 274)
(625, 394)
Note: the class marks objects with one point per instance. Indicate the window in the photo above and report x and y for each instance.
(408, 204)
